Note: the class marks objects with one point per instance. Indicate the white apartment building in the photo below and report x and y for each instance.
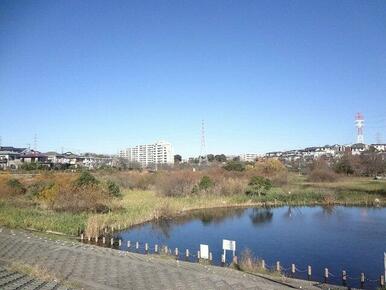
(249, 157)
(160, 152)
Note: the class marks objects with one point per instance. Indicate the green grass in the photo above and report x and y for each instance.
(42, 220)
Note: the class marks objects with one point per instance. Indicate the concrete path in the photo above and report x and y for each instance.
(91, 267)
(16, 280)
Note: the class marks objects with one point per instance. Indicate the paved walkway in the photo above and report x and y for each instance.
(16, 280)
(92, 267)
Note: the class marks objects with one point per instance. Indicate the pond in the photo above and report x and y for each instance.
(338, 238)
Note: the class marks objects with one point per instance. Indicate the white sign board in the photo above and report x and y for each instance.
(204, 251)
(229, 245)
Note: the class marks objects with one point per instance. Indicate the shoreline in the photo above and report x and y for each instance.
(183, 212)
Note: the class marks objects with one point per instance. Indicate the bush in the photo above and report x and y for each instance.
(249, 263)
(180, 183)
(66, 194)
(30, 166)
(230, 186)
(270, 167)
(113, 188)
(15, 186)
(133, 179)
(234, 166)
(321, 172)
(322, 175)
(280, 179)
(86, 179)
(344, 165)
(258, 185)
(206, 183)
(80, 199)
(35, 188)
(48, 195)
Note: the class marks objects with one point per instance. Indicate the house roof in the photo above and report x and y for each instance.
(358, 146)
(12, 149)
(53, 153)
(6, 152)
(32, 153)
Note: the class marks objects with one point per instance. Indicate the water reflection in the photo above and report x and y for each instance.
(259, 216)
(207, 217)
(291, 211)
(328, 210)
(330, 236)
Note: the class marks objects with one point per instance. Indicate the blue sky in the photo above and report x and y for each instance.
(264, 75)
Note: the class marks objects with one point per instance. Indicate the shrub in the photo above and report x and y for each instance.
(79, 199)
(258, 185)
(15, 186)
(321, 172)
(206, 183)
(133, 179)
(280, 179)
(30, 166)
(230, 186)
(270, 167)
(344, 165)
(234, 165)
(322, 175)
(180, 183)
(83, 194)
(35, 188)
(113, 188)
(86, 179)
(48, 195)
(249, 263)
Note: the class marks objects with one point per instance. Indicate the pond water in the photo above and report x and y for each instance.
(337, 238)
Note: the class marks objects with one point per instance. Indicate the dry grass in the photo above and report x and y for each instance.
(138, 206)
(180, 183)
(141, 206)
(249, 263)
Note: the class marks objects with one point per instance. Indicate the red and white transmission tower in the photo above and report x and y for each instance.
(359, 124)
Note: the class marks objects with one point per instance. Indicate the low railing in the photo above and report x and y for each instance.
(189, 256)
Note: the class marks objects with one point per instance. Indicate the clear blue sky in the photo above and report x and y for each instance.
(264, 75)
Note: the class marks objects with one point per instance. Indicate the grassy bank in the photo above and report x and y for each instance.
(13, 216)
(136, 206)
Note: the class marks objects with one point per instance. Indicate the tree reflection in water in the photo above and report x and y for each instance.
(207, 217)
(292, 211)
(261, 215)
(328, 209)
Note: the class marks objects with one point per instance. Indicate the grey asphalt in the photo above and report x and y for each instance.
(93, 267)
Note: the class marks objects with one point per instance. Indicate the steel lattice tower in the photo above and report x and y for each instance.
(203, 156)
(359, 124)
(35, 142)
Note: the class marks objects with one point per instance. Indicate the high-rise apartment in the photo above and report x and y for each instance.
(160, 152)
